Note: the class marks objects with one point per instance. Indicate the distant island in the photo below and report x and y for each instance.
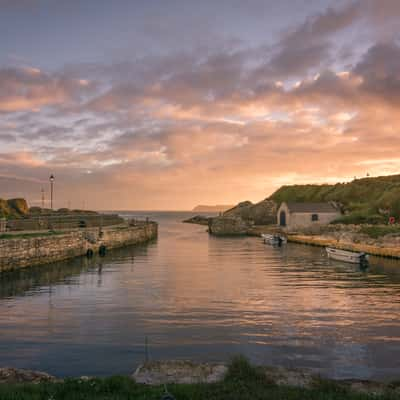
(216, 208)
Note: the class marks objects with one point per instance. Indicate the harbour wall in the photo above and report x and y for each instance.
(21, 252)
(391, 250)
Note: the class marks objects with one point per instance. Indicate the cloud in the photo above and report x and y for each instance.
(29, 89)
(217, 124)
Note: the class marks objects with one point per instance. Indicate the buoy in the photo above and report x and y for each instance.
(89, 253)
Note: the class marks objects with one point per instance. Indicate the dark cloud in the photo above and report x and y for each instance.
(308, 46)
(380, 70)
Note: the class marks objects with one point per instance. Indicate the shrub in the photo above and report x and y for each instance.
(379, 231)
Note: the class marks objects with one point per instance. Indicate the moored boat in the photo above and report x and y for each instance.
(273, 239)
(347, 256)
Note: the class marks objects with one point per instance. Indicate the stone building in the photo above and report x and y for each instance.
(304, 215)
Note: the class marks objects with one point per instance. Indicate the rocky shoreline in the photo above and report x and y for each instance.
(198, 220)
(156, 373)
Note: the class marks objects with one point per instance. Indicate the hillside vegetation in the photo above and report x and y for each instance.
(13, 208)
(369, 200)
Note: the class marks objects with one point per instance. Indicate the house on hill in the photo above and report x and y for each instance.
(305, 215)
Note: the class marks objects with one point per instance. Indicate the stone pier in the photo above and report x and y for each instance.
(25, 250)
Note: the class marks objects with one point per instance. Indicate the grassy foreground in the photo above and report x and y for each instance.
(243, 382)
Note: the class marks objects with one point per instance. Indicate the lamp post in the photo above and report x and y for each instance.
(51, 190)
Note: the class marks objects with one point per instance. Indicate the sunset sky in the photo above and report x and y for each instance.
(166, 104)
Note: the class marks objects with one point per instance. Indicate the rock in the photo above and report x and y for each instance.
(158, 372)
(4, 208)
(13, 208)
(178, 372)
(366, 387)
(262, 213)
(290, 377)
(222, 226)
(20, 206)
(13, 375)
(197, 219)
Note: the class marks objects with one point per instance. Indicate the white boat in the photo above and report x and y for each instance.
(347, 256)
(273, 239)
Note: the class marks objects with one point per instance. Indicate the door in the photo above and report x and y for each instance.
(282, 218)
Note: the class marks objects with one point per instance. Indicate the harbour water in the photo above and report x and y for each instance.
(203, 298)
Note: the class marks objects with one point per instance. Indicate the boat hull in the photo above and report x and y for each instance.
(347, 256)
(273, 239)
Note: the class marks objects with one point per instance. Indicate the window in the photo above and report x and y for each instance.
(314, 217)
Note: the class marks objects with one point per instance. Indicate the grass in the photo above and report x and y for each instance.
(380, 230)
(361, 217)
(242, 382)
(29, 235)
(364, 199)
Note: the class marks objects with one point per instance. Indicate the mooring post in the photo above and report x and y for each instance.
(146, 349)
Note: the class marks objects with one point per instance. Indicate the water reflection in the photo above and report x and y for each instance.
(26, 281)
(205, 298)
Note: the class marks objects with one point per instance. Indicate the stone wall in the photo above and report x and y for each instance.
(63, 222)
(223, 226)
(377, 247)
(28, 251)
(302, 220)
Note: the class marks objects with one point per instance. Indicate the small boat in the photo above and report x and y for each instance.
(274, 240)
(347, 256)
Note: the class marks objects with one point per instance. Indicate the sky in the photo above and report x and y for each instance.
(166, 104)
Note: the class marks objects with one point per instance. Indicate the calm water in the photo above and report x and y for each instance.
(203, 298)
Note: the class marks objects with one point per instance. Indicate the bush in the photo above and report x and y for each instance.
(241, 370)
(360, 217)
(379, 231)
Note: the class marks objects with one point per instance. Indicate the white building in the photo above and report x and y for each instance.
(303, 215)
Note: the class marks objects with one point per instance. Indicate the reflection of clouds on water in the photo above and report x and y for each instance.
(205, 298)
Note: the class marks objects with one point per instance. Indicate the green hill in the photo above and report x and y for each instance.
(369, 200)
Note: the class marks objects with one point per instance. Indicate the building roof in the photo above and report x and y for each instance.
(312, 207)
